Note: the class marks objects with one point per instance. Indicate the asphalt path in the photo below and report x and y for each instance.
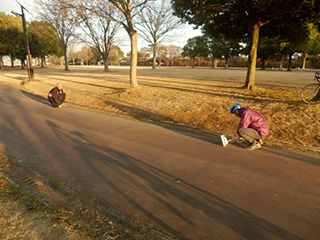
(186, 186)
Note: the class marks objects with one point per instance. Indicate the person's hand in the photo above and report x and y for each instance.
(233, 140)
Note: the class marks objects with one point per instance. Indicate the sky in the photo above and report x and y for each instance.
(177, 37)
(8, 5)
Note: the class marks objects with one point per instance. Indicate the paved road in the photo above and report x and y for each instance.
(224, 193)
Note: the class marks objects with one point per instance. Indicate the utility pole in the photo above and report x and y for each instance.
(29, 59)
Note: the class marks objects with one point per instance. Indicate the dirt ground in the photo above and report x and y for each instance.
(199, 97)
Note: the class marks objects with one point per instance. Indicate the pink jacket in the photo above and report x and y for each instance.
(253, 119)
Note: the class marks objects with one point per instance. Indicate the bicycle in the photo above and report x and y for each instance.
(310, 94)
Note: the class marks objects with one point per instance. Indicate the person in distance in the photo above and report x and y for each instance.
(57, 96)
(253, 127)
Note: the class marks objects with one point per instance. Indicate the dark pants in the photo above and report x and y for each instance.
(53, 102)
(249, 134)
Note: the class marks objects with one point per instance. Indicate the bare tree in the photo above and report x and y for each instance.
(144, 54)
(162, 53)
(100, 30)
(116, 54)
(128, 9)
(174, 52)
(72, 54)
(155, 22)
(64, 20)
(86, 54)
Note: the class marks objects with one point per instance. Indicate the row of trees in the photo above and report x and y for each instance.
(169, 53)
(91, 56)
(281, 44)
(212, 48)
(97, 22)
(45, 42)
(279, 47)
(285, 23)
(279, 23)
(100, 20)
(42, 41)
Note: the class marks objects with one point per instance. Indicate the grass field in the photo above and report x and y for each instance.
(200, 97)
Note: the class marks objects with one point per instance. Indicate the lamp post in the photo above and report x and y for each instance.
(29, 59)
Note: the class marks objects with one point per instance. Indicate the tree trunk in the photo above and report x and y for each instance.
(227, 65)
(106, 64)
(304, 61)
(251, 73)
(22, 63)
(154, 56)
(263, 63)
(12, 62)
(281, 64)
(192, 62)
(66, 62)
(1, 63)
(216, 63)
(290, 62)
(212, 63)
(43, 59)
(134, 58)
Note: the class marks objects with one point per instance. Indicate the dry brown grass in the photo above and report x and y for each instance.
(20, 217)
(199, 97)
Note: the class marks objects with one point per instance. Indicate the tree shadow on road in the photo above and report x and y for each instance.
(165, 122)
(130, 180)
(192, 86)
(113, 167)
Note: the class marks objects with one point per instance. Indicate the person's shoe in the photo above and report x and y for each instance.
(254, 146)
(240, 140)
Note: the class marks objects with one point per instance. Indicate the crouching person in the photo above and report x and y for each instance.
(56, 96)
(253, 127)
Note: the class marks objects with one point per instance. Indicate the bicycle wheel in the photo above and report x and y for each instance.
(310, 94)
